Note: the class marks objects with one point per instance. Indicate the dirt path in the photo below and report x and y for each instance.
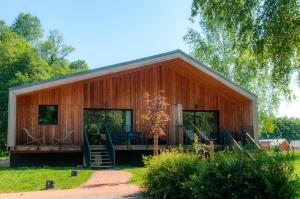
(102, 184)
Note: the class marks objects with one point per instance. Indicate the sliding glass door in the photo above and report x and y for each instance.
(206, 121)
(116, 120)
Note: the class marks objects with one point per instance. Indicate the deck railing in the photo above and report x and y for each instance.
(135, 138)
(110, 147)
(86, 149)
(230, 140)
(190, 130)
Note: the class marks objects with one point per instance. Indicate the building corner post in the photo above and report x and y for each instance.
(255, 119)
(11, 131)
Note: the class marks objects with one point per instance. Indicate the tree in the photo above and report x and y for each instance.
(54, 50)
(28, 27)
(288, 128)
(254, 43)
(79, 65)
(19, 64)
(21, 61)
(156, 116)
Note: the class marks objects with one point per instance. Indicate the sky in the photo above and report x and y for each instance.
(108, 32)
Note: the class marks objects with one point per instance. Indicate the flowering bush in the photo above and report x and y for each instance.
(230, 174)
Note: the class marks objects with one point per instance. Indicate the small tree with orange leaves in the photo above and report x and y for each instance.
(156, 116)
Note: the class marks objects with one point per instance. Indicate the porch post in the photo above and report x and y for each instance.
(179, 122)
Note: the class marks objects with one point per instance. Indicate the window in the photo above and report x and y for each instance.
(48, 114)
(207, 121)
(116, 120)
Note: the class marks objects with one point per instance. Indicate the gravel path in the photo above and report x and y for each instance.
(102, 184)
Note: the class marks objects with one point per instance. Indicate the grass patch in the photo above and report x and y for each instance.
(297, 162)
(138, 173)
(3, 155)
(33, 179)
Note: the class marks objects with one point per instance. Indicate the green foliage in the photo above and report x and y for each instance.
(268, 125)
(254, 43)
(79, 65)
(33, 179)
(288, 128)
(167, 172)
(236, 175)
(54, 50)
(200, 149)
(28, 27)
(22, 62)
(231, 174)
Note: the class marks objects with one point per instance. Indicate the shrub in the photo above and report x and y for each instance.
(231, 174)
(238, 175)
(167, 173)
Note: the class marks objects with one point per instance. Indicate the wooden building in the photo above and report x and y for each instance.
(95, 115)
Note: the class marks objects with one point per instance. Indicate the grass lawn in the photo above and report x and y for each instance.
(33, 179)
(138, 173)
(297, 162)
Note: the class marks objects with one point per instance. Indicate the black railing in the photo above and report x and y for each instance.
(135, 138)
(229, 139)
(189, 132)
(86, 149)
(110, 147)
(247, 139)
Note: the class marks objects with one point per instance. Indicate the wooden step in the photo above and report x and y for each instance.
(97, 147)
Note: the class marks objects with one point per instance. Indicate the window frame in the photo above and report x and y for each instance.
(114, 109)
(39, 114)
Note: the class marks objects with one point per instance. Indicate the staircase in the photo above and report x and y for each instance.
(99, 157)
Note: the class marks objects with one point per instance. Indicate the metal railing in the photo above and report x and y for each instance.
(86, 149)
(252, 140)
(230, 140)
(110, 147)
(189, 131)
(135, 138)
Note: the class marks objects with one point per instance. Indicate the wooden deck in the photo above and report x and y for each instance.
(46, 149)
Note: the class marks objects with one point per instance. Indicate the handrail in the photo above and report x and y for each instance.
(86, 149)
(110, 146)
(203, 135)
(252, 140)
(234, 141)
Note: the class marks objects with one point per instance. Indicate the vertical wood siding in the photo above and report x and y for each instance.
(182, 83)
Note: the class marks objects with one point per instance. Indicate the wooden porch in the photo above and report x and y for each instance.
(46, 149)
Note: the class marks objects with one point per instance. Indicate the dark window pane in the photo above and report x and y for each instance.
(48, 114)
(206, 121)
(117, 121)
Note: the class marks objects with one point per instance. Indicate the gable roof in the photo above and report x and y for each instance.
(74, 77)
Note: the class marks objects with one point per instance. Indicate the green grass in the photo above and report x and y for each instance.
(33, 179)
(138, 174)
(3, 155)
(297, 162)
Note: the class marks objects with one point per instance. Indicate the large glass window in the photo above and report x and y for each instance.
(117, 121)
(48, 114)
(206, 121)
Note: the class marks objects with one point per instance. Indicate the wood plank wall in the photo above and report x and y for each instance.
(182, 83)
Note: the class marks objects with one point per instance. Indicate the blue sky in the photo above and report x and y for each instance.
(107, 32)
